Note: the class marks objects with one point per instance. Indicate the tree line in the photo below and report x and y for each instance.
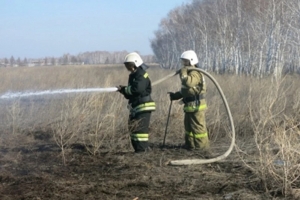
(254, 37)
(96, 57)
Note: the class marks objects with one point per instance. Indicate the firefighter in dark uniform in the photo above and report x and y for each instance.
(192, 93)
(140, 103)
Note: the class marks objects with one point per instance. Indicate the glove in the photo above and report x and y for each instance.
(175, 96)
(121, 89)
(183, 72)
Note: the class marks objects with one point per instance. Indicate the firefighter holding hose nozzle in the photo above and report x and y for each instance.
(192, 93)
(138, 92)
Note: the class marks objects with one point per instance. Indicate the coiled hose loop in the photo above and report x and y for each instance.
(218, 158)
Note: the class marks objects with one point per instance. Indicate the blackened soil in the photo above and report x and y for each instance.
(36, 171)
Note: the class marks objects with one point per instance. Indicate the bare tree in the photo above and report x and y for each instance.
(12, 61)
(233, 36)
(25, 62)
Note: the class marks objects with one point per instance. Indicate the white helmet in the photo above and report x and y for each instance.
(191, 56)
(134, 58)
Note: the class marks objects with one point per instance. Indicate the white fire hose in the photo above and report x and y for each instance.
(218, 158)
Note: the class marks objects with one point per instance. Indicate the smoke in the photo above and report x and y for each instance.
(10, 95)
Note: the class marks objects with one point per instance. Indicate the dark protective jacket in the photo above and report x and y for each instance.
(138, 92)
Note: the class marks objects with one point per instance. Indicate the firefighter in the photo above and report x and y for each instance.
(192, 93)
(140, 103)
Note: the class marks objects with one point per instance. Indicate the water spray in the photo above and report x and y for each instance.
(11, 95)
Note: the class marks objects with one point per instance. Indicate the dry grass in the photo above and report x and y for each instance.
(265, 112)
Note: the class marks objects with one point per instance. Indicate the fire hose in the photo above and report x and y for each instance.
(218, 158)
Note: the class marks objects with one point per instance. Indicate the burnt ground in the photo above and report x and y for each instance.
(34, 170)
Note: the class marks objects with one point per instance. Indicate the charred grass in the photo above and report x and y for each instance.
(77, 146)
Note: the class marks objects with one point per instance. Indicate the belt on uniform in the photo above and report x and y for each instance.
(193, 98)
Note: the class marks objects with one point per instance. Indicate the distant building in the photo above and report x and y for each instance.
(36, 62)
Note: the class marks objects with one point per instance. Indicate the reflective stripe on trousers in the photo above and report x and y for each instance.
(142, 137)
(196, 135)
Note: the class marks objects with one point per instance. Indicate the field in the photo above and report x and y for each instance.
(76, 146)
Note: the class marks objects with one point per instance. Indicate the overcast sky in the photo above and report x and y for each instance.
(39, 28)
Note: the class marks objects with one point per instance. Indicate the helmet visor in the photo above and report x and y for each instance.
(185, 62)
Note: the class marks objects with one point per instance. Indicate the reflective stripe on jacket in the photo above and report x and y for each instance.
(194, 108)
(149, 106)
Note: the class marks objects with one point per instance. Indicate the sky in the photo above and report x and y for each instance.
(46, 28)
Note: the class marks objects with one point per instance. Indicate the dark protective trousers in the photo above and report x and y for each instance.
(196, 136)
(139, 128)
